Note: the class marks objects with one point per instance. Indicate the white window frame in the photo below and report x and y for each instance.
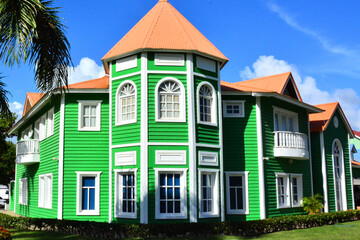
(169, 59)
(182, 107)
(240, 103)
(206, 64)
(118, 105)
(287, 190)
(245, 176)
(126, 63)
(183, 193)
(215, 192)
(27, 133)
(118, 213)
(213, 105)
(172, 157)
(79, 177)
(45, 191)
(299, 187)
(342, 169)
(42, 127)
(125, 158)
(287, 113)
(96, 103)
(23, 191)
(50, 122)
(203, 155)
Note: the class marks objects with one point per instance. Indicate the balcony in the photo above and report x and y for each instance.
(27, 152)
(291, 145)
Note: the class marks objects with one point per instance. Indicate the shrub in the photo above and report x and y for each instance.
(170, 230)
(313, 205)
(5, 234)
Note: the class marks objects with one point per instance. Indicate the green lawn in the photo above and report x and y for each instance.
(350, 230)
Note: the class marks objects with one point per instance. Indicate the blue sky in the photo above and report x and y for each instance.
(317, 40)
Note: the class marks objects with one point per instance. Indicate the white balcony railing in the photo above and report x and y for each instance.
(290, 145)
(27, 151)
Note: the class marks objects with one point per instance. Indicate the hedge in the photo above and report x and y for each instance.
(115, 230)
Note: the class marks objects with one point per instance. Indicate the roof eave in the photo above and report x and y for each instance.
(311, 108)
(105, 61)
(44, 100)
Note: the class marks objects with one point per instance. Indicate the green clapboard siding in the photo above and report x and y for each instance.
(85, 151)
(138, 183)
(152, 166)
(127, 133)
(49, 152)
(165, 131)
(274, 165)
(331, 133)
(241, 153)
(316, 163)
(126, 71)
(204, 133)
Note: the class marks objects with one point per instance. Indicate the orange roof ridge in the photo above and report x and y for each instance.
(265, 77)
(163, 27)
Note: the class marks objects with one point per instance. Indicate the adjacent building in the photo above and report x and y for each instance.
(161, 138)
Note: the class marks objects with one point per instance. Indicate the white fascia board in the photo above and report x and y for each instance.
(139, 50)
(35, 109)
(312, 109)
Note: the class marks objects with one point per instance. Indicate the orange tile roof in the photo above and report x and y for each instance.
(99, 83)
(320, 121)
(163, 27)
(30, 100)
(355, 163)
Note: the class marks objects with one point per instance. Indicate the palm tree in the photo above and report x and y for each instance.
(31, 32)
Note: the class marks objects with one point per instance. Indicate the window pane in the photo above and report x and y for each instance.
(88, 181)
(92, 199)
(235, 181)
(232, 198)
(85, 199)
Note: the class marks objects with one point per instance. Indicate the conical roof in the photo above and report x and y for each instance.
(163, 27)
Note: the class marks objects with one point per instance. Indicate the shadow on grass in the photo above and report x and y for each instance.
(38, 235)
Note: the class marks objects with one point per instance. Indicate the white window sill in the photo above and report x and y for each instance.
(88, 213)
(44, 207)
(125, 122)
(287, 206)
(171, 216)
(126, 215)
(233, 116)
(24, 204)
(89, 129)
(208, 123)
(170, 120)
(208, 215)
(238, 212)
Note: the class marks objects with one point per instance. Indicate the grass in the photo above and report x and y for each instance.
(349, 230)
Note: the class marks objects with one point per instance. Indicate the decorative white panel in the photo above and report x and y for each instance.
(205, 64)
(169, 59)
(171, 157)
(126, 63)
(125, 158)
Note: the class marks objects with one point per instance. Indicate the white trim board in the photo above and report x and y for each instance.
(61, 158)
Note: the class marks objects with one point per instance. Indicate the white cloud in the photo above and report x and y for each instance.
(310, 93)
(289, 20)
(17, 108)
(86, 70)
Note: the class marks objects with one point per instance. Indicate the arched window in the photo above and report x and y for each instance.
(338, 175)
(206, 104)
(126, 100)
(170, 100)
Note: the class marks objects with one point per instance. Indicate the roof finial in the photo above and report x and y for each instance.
(163, 0)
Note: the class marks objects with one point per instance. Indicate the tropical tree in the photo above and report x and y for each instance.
(31, 32)
(7, 149)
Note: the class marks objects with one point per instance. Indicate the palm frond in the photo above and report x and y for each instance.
(49, 50)
(4, 106)
(17, 22)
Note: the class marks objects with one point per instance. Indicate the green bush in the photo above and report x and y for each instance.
(169, 230)
(313, 205)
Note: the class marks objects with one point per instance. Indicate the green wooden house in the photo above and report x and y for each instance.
(355, 163)
(161, 139)
(330, 141)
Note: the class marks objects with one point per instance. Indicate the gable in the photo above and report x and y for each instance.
(291, 90)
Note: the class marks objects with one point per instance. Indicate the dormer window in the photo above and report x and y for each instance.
(170, 101)
(126, 103)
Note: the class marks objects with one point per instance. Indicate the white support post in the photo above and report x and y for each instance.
(61, 158)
